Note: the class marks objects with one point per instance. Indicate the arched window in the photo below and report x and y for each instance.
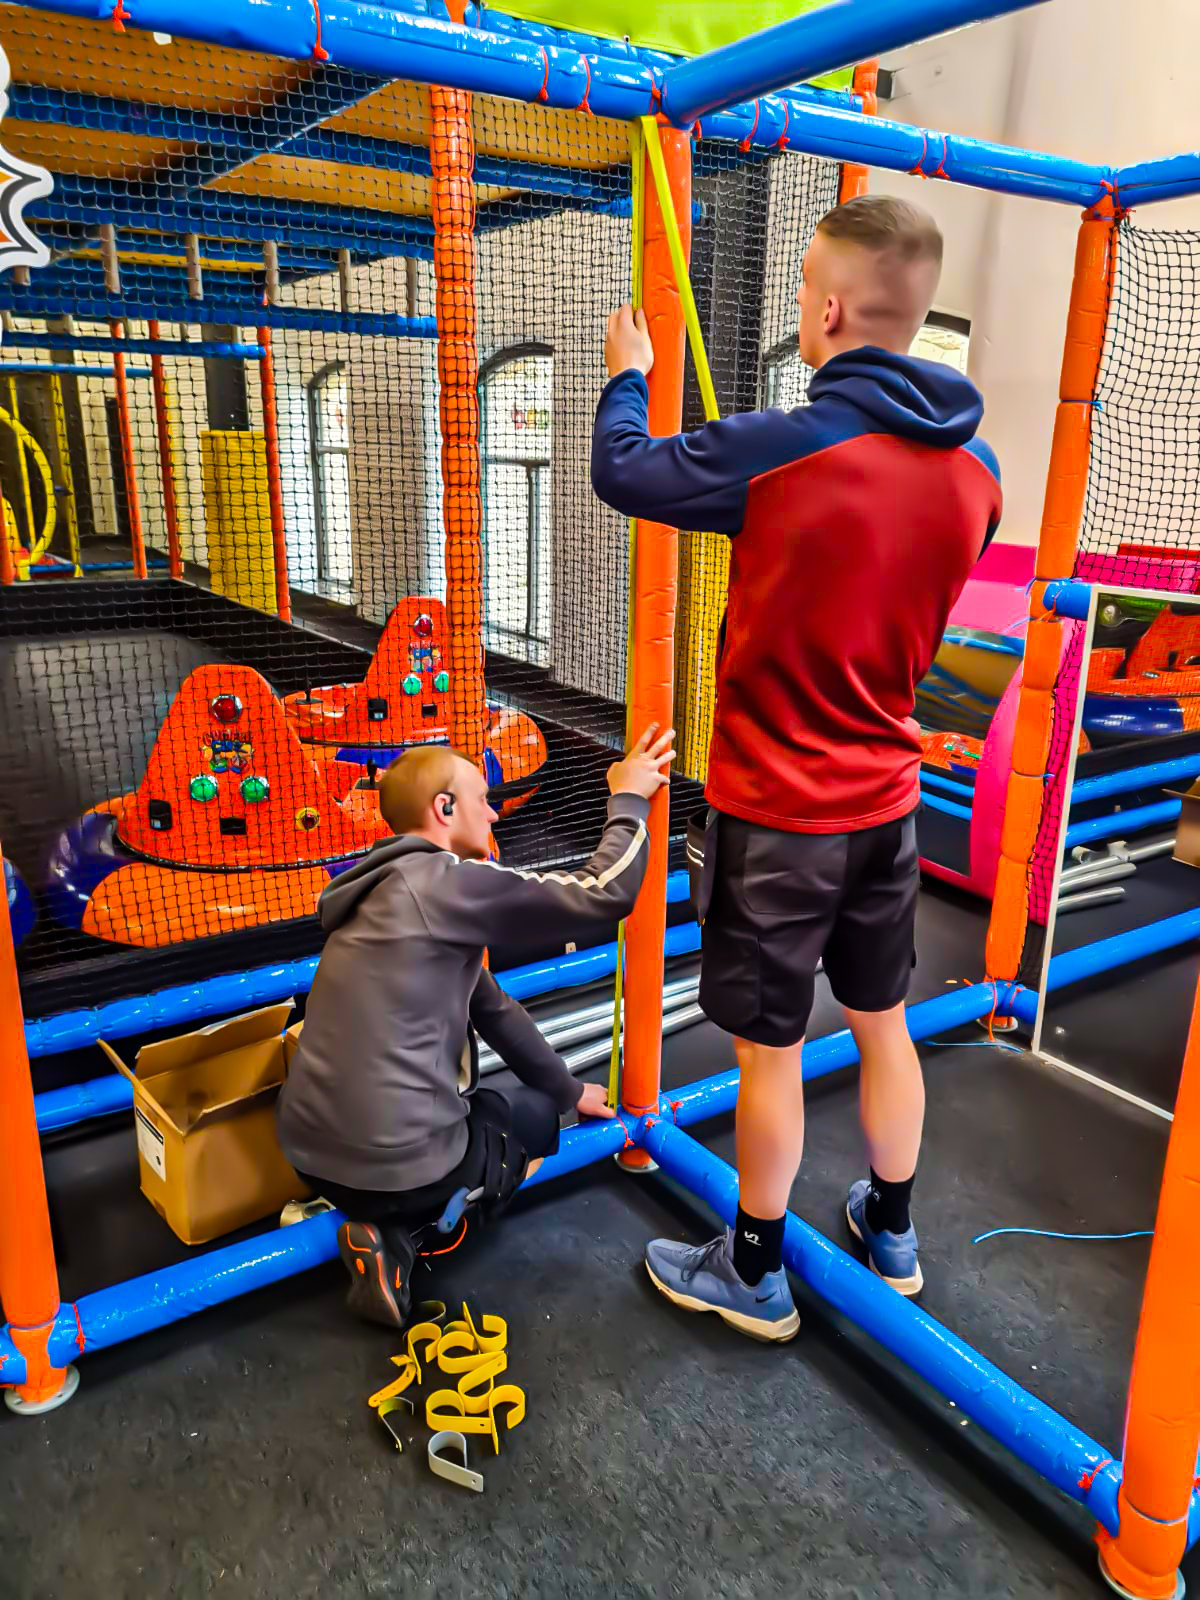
(786, 378)
(329, 448)
(515, 430)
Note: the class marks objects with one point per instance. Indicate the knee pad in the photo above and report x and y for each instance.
(505, 1163)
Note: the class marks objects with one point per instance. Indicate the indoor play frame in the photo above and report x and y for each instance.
(1145, 1506)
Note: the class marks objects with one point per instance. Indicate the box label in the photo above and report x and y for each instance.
(151, 1144)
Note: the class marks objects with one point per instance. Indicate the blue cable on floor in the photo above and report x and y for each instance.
(1046, 1233)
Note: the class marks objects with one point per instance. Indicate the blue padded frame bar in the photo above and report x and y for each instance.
(816, 42)
(1120, 824)
(1037, 1435)
(1065, 598)
(1171, 178)
(413, 40)
(200, 351)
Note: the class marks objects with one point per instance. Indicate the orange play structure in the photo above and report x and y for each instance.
(406, 698)
(233, 826)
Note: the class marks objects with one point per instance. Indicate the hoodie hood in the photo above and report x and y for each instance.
(919, 400)
(341, 896)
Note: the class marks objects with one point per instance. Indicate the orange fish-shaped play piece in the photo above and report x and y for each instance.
(229, 785)
(404, 697)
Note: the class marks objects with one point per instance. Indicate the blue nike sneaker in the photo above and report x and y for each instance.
(702, 1278)
(893, 1256)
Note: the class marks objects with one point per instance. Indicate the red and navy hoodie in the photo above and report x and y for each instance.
(855, 521)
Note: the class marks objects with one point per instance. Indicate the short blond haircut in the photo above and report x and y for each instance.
(413, 781)
(885, 226)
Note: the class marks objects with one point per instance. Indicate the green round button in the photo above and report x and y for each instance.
(203, 789)
(442, 682)
(412, 684)
(255, 790)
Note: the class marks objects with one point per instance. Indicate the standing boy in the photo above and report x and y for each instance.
(855, 522)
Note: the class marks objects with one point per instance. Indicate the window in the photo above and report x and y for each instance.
(329, 445)
(786, 378)
(516, 409)
(944, 339)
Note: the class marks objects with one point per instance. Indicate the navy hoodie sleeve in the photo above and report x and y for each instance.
(698, 481)
(986, 456)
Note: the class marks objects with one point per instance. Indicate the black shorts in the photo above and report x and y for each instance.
(528, 1115)
(779, 903)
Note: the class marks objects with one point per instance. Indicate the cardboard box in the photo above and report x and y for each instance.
(1187, 834)
(204, 1110)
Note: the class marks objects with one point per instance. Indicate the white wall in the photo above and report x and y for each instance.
(1099, 80)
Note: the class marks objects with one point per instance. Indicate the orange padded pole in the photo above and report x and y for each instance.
(166, 466)
(652, 691)
(266, 368)
(452, 159)
(134, 506)
(28, 1276)
(855, 179)
(1162, 1430)
(7, 567)
(1062, 516)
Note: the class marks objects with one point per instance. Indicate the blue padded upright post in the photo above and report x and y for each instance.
(1055, 1449)
(811, 44)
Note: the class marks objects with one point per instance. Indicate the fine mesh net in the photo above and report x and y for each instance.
(1141, 523)
(187, 757)
(754, 218)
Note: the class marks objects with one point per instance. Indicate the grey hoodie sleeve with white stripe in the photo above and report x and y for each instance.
(483, 902)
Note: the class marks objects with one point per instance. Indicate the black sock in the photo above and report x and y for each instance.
(887, 1205)
(757, 1246)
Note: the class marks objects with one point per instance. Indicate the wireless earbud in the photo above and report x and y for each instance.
(448, 806)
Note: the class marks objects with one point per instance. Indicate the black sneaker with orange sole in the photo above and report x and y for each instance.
(380, 1288)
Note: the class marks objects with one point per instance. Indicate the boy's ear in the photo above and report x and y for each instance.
(833, 314)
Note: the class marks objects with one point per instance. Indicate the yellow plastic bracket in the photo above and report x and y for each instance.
(409, 1373)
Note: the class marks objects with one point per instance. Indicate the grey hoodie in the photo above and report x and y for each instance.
(376, 1097)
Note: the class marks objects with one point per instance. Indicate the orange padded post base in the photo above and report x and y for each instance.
(1162, 1430)
(28, 1275)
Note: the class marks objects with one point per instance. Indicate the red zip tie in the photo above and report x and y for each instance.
(583, 104)
(79, 1339)
(120, 17)
(674, 1106)
(940, 172)
(542, 95)
(781, 142)
(655, 95)
(1089, 1478)
(697, 133)
(749, 139)
(628, 1145)
(319, 53)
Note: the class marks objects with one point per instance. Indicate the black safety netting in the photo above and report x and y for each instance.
(754, 216)
(186, 757)
(1140, 527)
(1141, 521)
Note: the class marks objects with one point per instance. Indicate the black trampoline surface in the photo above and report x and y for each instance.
(662, 1454)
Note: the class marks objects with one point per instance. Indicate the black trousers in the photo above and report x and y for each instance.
(526, 1115)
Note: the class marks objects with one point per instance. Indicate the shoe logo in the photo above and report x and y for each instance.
(751, 1238)
(761, 1299)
